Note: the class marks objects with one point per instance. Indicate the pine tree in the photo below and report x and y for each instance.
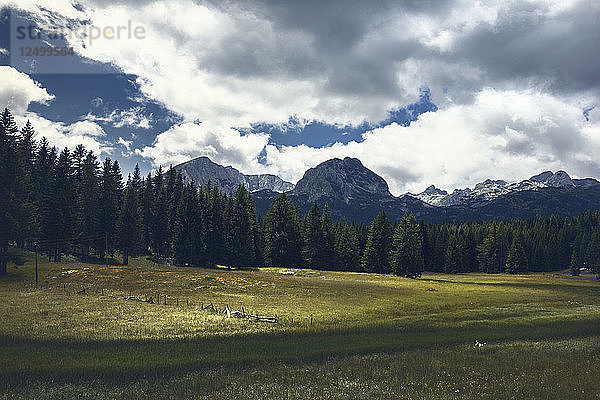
(160, 222)
(491, 258)
(62, 203)
(593, 254)
(516, 262)
(241, 235)
(88, 200)
(348, 248)
(282, 232)
(147, 208)
(129, 224)
(312, 238)
(574, 263)
(406, 256)
(27, 225)
(188, 246)
(327, 256)
(456, 254)
(376, 257)
(11, 175)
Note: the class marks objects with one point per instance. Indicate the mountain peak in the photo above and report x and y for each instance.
(343, 179)
(202, 169)
(558, 179)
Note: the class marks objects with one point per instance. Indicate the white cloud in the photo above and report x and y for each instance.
(505, 135)
(223, 145)
(133, 118)
(64, 135)
(252, 62)
(17, 90)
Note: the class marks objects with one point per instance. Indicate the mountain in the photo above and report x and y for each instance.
(200, 170)
(355, 193)
(345, 180)
(489, 190)
(351, 191)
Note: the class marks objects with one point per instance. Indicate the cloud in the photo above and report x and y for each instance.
(236, 63)
(223, 145)
(62, 135)
(511, 78)
(503, 134)
(18, 90)
(133, 118)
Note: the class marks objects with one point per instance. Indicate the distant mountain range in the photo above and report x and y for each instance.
(200, 170)
(354, 192)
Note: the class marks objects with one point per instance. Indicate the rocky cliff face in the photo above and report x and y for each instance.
(200, 170)
(344, 180)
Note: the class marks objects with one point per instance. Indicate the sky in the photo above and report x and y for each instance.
(421, 91)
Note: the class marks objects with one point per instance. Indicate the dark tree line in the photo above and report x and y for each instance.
(72, 203)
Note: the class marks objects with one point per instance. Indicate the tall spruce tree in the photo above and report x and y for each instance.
(282, 233)
(62, 203)
(376, 257)
(88, 200)
(406, 256)
(241, 237)
(348, 248)
(188, 244)
(516, 261)
(312, 237)
(129, 225)
(456, 254)
(574, 266)
(328, 255)
(11, 175)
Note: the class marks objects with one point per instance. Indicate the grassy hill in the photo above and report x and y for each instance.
(340, 334)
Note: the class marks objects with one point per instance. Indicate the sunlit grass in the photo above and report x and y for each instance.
(371, 326)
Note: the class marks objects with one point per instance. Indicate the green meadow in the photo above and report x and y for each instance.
(82, 333)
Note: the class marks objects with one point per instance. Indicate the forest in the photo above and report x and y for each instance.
(72, 203)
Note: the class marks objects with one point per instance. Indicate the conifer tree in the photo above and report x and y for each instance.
(129, 225)
(348, 248)
(574, 263)
(282, 232)
(88, 200)
(516, 261)
(456, 255)
(11, 175)
(490, 252)
(376, 257)
(406, 256)
(312, 238)
(188, 246)
(328, 255)
(147, 209)
(160, 223)
(593, 256)
(62, 203)
(241, 237)
(110, 201)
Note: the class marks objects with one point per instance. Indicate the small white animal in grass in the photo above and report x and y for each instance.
(479, 344)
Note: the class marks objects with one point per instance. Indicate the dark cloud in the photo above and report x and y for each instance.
(557, 53)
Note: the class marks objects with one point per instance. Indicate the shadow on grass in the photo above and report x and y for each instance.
(123, 360)
(525, 285)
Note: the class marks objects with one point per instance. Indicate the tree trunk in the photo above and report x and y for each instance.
(125, 257)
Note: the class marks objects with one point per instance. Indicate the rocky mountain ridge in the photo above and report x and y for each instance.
(492, 189)
(355, 193)
(200, 170)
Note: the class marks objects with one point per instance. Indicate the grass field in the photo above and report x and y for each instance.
(340, 335)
